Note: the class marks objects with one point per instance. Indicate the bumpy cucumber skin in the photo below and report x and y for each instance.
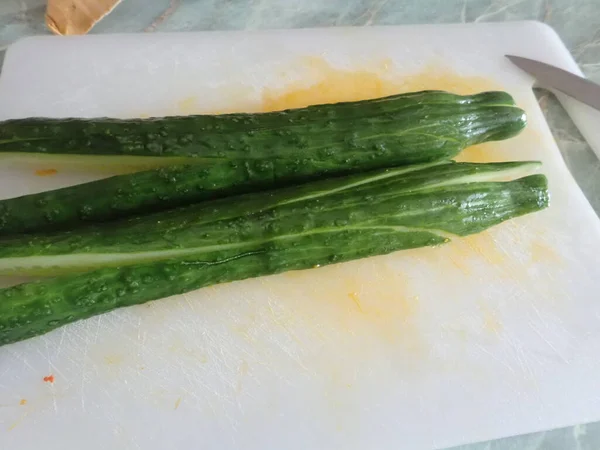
(360, 228)
(412, 124)
(234, 153)
(128, 195)
(413, 196)
(35, 308)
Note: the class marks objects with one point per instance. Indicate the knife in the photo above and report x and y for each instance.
(568, 83)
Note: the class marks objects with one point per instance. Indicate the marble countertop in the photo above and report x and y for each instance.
(576, 21)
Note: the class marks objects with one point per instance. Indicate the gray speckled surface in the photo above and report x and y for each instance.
(577, 22)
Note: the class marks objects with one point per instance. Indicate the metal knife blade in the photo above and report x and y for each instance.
(549, 76)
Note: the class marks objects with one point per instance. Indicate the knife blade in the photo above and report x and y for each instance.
(568, 83)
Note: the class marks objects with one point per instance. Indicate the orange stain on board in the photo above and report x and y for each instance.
(491, 322)
(242, 372)
(329, 84)
(460, 263)
(49, 379)
(23, 402)
(377, 302)
(541, 252)
(112, 360)
(18, 421)
(486, 152)
(356, 299)
(484, 246)
(464, 253)
(187, 105)
(46, 172)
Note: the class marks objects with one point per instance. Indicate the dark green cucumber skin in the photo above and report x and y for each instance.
(129, 195)
(235, 153)
(312, 233)
(36, 308)
(404, 197)
(415, 125)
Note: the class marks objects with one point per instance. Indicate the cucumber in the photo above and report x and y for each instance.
(216, 156)
(316, 224)
(247, 222)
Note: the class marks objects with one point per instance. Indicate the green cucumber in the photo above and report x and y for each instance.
(331, 221)
(215, 156)
(247, 222)
(434, 196)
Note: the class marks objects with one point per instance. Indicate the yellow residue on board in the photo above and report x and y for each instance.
(356, 299)
(177, 403)
(23, 402)
(242, 372)
(491, 322)
(483, 245)
(379, 303)
(183, 351)
(112, 360)
(460, 263)
(244, 368)
(243, 328)
(541, 252)
(328, 84)
(232, 99)
(487, 152)
(17, 422)
(465, 254)
(187, 105)
(46, 172)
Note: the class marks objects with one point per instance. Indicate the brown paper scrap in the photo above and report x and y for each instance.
(76, 16)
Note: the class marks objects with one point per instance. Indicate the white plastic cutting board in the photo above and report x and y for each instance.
(489, 336)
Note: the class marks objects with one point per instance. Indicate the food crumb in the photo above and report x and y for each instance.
(23, 402)
(49, 379)
(177, 403)
(46, 172)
